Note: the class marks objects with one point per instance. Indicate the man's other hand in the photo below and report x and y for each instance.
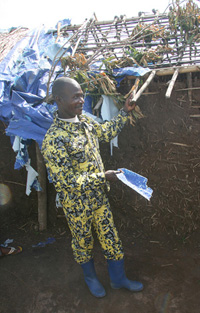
(111, 175)
(129, 105)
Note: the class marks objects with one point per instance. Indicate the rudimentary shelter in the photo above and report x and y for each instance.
(111, 58)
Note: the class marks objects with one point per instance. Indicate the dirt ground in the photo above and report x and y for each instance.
(160, 237)
(46, 279)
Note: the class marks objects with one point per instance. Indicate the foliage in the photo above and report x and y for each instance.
(184, 19)
(149, 32)
(73, 62)
(143, 57)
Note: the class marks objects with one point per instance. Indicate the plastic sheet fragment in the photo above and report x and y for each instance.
(136, 182)
(108, 111)
(31, 179)
(42, 244)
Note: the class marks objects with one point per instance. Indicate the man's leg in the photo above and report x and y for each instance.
(107, 233)
(112, 248)
(82, 245)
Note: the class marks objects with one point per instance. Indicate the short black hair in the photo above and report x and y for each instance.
(61, 83)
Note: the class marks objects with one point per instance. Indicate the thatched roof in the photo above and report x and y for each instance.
(160, 39)
(9, 39)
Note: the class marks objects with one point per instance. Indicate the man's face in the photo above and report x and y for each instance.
(71, 102)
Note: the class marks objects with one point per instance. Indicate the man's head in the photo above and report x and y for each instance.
(69, 97)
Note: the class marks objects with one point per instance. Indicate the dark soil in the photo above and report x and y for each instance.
(43, 280)
(160, 237)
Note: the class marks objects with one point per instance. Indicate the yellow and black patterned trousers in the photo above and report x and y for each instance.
(81, 215)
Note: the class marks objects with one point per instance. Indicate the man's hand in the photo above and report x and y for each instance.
(111, 175)
(129, 104)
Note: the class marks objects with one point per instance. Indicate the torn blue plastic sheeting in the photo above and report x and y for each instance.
(29, 82)
(42, 244)
(120, 73)
(20, 147)
(36, 114)
(24, 128)
(30, 122)
(31, 179)
(88, 104)
(26, 68)
(136, 182)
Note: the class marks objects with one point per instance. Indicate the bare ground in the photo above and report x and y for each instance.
(46, 279)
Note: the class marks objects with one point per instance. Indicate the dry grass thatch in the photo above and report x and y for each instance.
(9, 39)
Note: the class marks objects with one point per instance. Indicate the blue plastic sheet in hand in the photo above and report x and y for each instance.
(136, 182)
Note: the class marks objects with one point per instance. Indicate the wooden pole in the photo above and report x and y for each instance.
(58, 31)
(189, 84)
(182, 69)
(144, 86)
(171, 84)
(42, 195)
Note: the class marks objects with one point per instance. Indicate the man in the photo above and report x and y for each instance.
(71, 153)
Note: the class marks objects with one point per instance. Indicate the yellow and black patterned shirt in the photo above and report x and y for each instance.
(72, 156)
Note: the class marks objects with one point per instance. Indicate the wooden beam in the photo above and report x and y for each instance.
(171, 84)
(182, 70)
(42, 195)
(195, 115)
(132, 19)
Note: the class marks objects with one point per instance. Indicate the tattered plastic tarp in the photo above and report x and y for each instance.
(120, 73)
(136, 182)
(24, 74)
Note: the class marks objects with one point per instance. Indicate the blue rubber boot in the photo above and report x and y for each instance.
(91, 279)
(118, 277)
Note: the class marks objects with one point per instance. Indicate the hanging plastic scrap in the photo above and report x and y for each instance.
(108, 111)
(24, 74)
(120, 73)
(136, 182)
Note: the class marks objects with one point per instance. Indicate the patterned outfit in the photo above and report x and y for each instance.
(73, 161)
